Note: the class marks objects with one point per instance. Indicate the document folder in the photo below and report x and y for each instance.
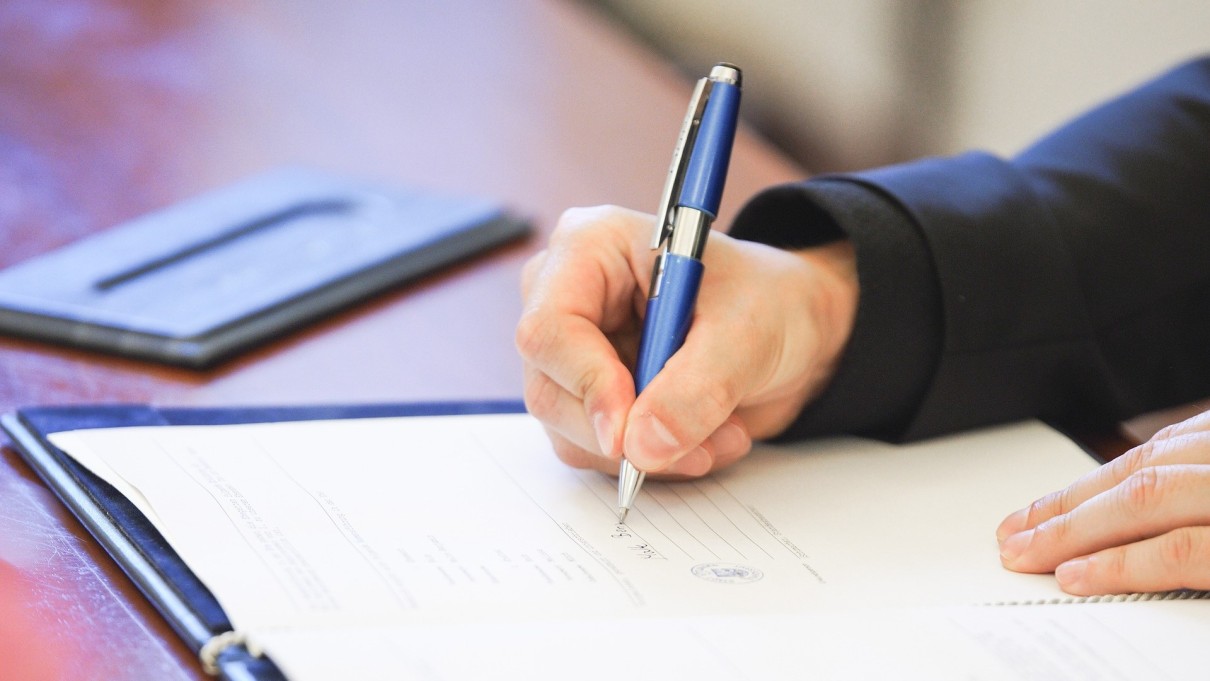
(141, 551)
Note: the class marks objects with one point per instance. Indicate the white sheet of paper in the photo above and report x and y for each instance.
(1156, 641)
(471, 520)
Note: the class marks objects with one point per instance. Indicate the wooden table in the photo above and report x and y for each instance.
(112, 108)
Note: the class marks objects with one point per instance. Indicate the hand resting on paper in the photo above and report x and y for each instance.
(769, 328)
(1140, 523)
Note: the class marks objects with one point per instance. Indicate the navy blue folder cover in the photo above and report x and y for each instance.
(131, 539)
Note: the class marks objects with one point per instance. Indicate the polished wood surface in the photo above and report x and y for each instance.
(110, 109)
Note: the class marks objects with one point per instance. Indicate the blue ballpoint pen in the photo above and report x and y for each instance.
(689, 204)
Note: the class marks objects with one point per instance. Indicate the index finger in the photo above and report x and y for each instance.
(577, 292)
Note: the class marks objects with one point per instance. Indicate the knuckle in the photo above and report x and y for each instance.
(535, 334)
(1139, 457)
(542, 397)
(596, 397)
(587, 226)
(1047, 507)
(1193, 426)
(1065, 500)
(587, 386)
(529, 271)
(573, 221)
(571, 217)
(1168, 431)
(1179, 549)
(1143, 490)
(719, 397)
(1111, 566)
(1056, 530)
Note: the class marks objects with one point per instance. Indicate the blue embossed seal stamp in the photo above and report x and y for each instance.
(727, 573)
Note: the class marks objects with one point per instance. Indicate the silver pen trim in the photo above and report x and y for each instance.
(676, 170)
(690, 228)
(726, 73)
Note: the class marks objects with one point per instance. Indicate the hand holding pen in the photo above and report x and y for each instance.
(768, 328)
(692, 194)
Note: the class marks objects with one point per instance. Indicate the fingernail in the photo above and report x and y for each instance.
(1071, 572)
(650, 442)
(1012, 547)
(604, 431)
(695, 463)
(729, 439)
(1013, 524)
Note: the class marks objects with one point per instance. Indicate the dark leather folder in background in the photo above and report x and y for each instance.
(201, 280)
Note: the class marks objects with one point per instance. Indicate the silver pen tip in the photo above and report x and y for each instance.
(622, 514)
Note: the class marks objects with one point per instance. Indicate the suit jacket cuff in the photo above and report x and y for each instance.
(896, 340)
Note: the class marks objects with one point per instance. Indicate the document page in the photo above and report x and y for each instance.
(1156, 641)
(443, 521)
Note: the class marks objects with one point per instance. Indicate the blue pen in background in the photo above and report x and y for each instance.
(690, 203)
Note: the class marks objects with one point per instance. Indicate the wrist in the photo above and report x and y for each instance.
(831, 290)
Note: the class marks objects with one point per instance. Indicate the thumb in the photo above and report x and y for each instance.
(682, 422)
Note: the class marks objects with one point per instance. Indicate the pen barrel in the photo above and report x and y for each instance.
(706, 171)
(669, 313)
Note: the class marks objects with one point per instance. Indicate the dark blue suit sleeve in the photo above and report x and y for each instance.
(1070, 283)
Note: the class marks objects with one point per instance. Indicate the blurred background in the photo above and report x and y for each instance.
(847, 84)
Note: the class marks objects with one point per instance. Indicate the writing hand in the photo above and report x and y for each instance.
(769, 328)
(1140, 523)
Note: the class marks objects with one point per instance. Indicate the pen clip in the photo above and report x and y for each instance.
(680, 159)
